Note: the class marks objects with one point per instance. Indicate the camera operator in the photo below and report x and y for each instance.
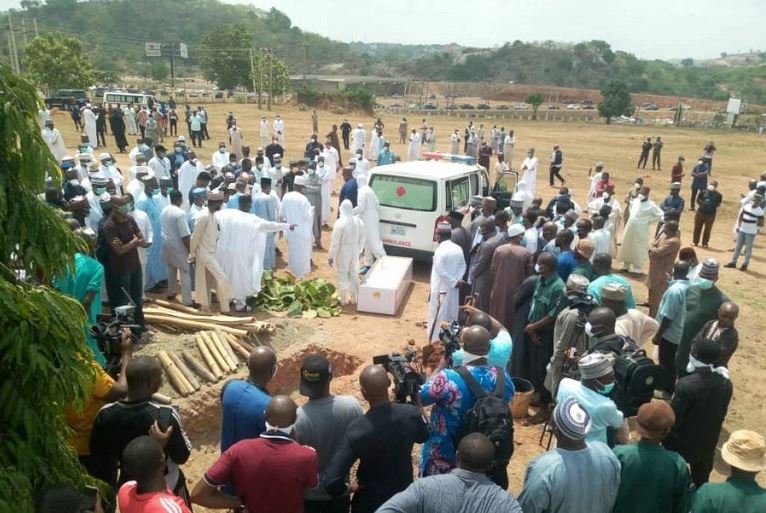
(103, 390)
(382, 441)
(451, 398)
(500, 343)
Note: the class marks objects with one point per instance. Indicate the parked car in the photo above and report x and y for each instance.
(553, 107)
(651, 106)
(588, 107)
(395, 105)
(432, 97)
(502, 107)
(466, 106)
(396, 95)
(451, 106)
(521, 106)
(573, 106)
(64, 98)
(483, 106)
(430, 106)
(587, 102)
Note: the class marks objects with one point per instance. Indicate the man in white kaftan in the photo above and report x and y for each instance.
(413, 150)
(323, 172)
(346, 243)
(357, 139)
(455, 142)
(296, 210)
(176, 237)
(375, 145)
(220, 158)
(264, 132)
(203, 246)
(235, 139)
(187, 177)
(368, 210)
(613, 221)
(635, 239)
(53, 139)
(89, 120)
(529, 171)
(241, 247)
(447, 273)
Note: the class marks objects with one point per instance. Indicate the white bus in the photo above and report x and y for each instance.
(123, 98)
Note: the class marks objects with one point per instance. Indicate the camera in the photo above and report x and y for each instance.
(407, 380)
(450, 337)
(108, 335)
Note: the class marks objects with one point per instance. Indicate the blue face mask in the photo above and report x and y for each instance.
(606, 389)
(703, 283)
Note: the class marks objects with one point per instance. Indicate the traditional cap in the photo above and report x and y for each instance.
(98, 180)
(215, 195)
(299, 180)
(655, 418)
(578, 283)
(556, 146)
(454, 214)
(571, 419)
(745, 450)
(160, 147)
(166, 179)
(199, 191)
(709, 269)
(181, 138)
(595, 365)
(517, 201)
(614, 292)
(84, 156)
(277, 156)
(599, 164)
(675, 186)
(572, 214)
(315, 373)
(515, 230)
(104, 156)
(259, 148)
(93, 167)
(67, 157)
(585, 248)
(105, 199)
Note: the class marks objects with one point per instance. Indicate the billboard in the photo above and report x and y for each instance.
(734, 106)
(153, 49)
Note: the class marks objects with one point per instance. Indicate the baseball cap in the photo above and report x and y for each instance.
(315, 373)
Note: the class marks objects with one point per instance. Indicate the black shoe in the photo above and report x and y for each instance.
(743, 268)
(731, 265)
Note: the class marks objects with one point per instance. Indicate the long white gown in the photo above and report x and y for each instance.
(187, 177)
(447, 269)
(413, 151)
(297, 210)
(635, 239)
(89, 119)
(530, 174)
(55, 143)
(235, 134)
(346, 243)
(323, 173)
(358, 136)
(368, 210)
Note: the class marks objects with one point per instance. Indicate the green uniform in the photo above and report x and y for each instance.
(546, 301)
(585, 269)
(652, 479)
(701, 307)
(736, 495)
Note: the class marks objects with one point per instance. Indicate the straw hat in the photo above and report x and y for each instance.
(745, 450)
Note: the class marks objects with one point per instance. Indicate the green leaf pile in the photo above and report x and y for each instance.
(299, 298)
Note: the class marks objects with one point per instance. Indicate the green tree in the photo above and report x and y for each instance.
(56, 60)
(42, 342)
(687, 63)
(615, 101)
(224, 56)
(535, 100)
(277, 80)
(159, 71)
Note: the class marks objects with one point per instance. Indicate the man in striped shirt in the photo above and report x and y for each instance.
(750, 218)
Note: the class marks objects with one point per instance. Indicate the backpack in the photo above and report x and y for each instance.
(636, 376)
(489, 415)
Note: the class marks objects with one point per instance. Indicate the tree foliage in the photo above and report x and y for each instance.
(41, 335)
(615, 101)
(56, 60)
(535, 100)
(159, 71)
(224, 55)
(278, 80)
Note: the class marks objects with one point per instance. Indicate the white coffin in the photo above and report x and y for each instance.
(385, 285)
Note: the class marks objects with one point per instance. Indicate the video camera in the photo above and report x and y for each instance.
(407, 380)
(108, 335)
(450, 337)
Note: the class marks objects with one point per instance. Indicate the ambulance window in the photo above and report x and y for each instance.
(458, 193)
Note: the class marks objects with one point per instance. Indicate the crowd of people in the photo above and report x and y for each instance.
(534, 287)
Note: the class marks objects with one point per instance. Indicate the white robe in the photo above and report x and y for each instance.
(55, 143)
(455, 140)
(264, 132)
(130, 120)
(297, 210)
(235, 135)
(368, 210)
(592, 188)
(241, 247)
(96, 213)
(187, 177)
(89, 120)
(160, 166)
(375, 144)
(203, 245)
(635, 239)
(331, 159)
(413, 151)
(324, 173)
(346, 243)
(279, 126)
(142, 221)
(219, 160)
(447, 269)
(522, 191)
(612, 223)
(358, 137)
(530, 173)
(362, 168)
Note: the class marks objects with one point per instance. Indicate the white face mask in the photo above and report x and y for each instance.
(538, 269)
(287, 430)
(589, 329)
(312, 171)
(470, 357)
(637, 186)
(605, 196)
(222, 150)
(711, 187)
(641, 197)
(320, 164)
(74, 181)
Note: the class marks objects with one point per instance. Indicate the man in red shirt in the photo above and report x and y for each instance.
(144, 460)
(677, 173)
(603, 184)
(271, 471)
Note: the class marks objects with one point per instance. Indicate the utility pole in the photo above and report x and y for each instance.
(252, 76)
(271, 77)
(34, 23)
(305, 47)
(14, 50)
(24, 31)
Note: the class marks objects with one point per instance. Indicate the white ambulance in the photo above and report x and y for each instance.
(415, 196)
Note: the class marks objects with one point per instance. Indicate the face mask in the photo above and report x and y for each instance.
(193, 161)
(320, 165)
(99, 191)
(605, 196)
(222, 150)
(703, 283)
(286, 430)
(156, 191)
(642, 197)
(637, 186)
(125, 209)
(606, 389)
(259, 167)
(74, 181)
(169, 190)
(161, 155)
(711, 187)
(538, 269)
(470, 357)
(312, 171)
(589, 329)
(178, 149)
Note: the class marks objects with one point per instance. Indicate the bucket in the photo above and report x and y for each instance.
(522, 397)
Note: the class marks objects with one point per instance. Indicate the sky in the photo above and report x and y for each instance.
(651, 29)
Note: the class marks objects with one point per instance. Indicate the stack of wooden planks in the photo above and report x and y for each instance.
(175, 318)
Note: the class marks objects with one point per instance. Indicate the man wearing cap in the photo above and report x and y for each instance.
(266, 206)
(749, 219)
(275, 148)
(592, 391)
(155, 270)
(602, 270)
(187, 178)
(53, 139)
(671, 315)
(263, 131)
(631, 323)
(652, 478)
(358, 137)
(277, 173)
(529, 170)
(708, 202)
(386, 156)
(322, 424)
(662, 254)
(202, 249)
(569, 334)
(368, 209)
(270, 473)
(635, 238)
(296, 210)
(700, 403)
(745, 453)
(703, 299)
(447, 274)
(511, 264)
(220, 158)
(176, 237)
(578, 476)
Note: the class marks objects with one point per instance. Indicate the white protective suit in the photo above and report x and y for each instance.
(203, 245)
(447, 269)
(368, 210)
(346, 243)
(187, 177)
(523, 193)
(89, 120)
(635, 238)
(55, 143)
(413, 150)
(241, 248)
(357, 137)
(297, 210)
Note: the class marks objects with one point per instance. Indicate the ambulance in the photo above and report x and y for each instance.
(415, 196)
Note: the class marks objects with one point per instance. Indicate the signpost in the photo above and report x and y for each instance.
(171, 51)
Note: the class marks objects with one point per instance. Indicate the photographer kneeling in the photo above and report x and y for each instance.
(451, 392)
(500, 343)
